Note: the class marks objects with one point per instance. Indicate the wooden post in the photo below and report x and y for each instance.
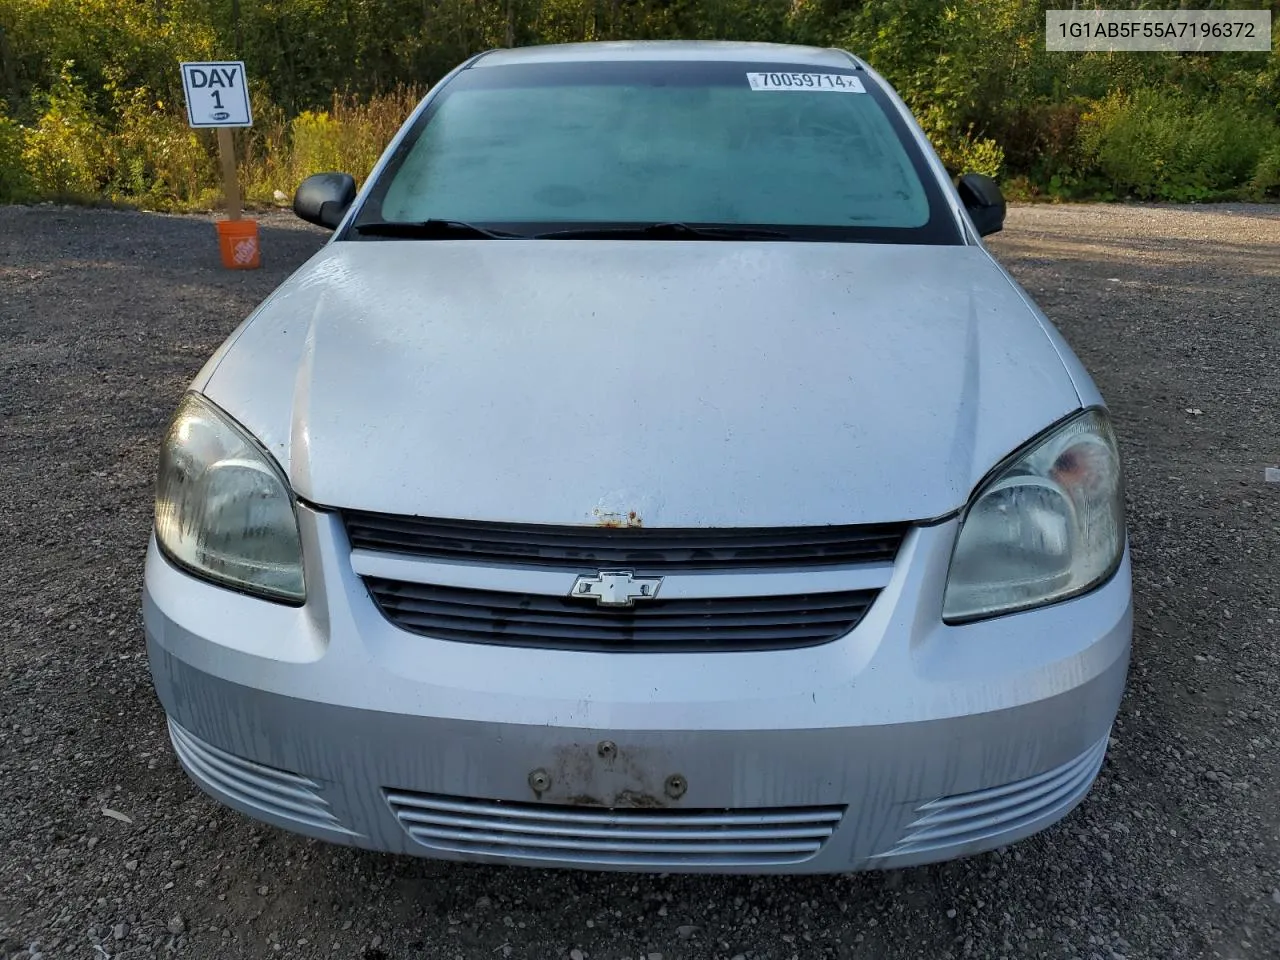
(230, 179)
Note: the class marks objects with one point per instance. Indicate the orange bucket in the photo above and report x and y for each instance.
(238, 243)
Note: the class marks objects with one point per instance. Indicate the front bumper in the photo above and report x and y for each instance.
(905, 741)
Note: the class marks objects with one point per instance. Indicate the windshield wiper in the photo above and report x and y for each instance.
(433, 230)
(665, 231)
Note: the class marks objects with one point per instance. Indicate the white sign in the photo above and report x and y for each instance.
(217, 95)
(813, 82)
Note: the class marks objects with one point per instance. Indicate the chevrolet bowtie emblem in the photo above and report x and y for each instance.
(616, 588)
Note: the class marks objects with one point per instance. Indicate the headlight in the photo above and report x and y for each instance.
(223, 508)
(1049, 524)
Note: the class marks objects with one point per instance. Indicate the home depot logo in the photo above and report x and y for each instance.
(244, 250)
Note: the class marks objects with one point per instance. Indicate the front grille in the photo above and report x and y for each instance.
(617, 837)
(543, 620)
(656, 549)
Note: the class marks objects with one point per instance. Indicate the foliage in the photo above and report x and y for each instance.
(1158, 145)
(15, 185)
(156, 159)
(140, 42)
(349, 136)
(970, 154)
(65, 152)
(94, 104)
(1265, 182)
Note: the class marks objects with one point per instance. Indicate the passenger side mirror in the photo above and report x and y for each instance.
(323, 198)
(981, 196)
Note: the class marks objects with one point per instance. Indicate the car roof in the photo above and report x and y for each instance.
(687, 50)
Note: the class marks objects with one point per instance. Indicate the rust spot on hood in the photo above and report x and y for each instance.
(608, 518)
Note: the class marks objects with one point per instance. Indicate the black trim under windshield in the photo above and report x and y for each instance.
(941, 227)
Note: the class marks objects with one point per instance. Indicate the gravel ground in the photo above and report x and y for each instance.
(106, 850)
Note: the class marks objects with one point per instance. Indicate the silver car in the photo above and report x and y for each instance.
(653, 472)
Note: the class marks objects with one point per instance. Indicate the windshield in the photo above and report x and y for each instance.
(818, 153)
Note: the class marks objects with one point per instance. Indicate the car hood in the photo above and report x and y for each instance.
(689, 383)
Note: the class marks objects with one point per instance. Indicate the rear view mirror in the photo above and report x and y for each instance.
(981, 196)
(323, 198)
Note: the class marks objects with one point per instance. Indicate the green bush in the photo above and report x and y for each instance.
(1157, 145)
(961, 151)
(1041, 142)
(1265, 183)
(349, 137)
(15, 185)
(972, 154)
(157, 160)
(316, 139)
(65, 152)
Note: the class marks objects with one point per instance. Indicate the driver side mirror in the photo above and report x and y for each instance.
(981, 196)
(323, 198)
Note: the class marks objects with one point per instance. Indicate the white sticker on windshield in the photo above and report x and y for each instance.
(829, 82)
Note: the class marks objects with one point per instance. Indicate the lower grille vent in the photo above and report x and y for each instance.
(632, 838)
